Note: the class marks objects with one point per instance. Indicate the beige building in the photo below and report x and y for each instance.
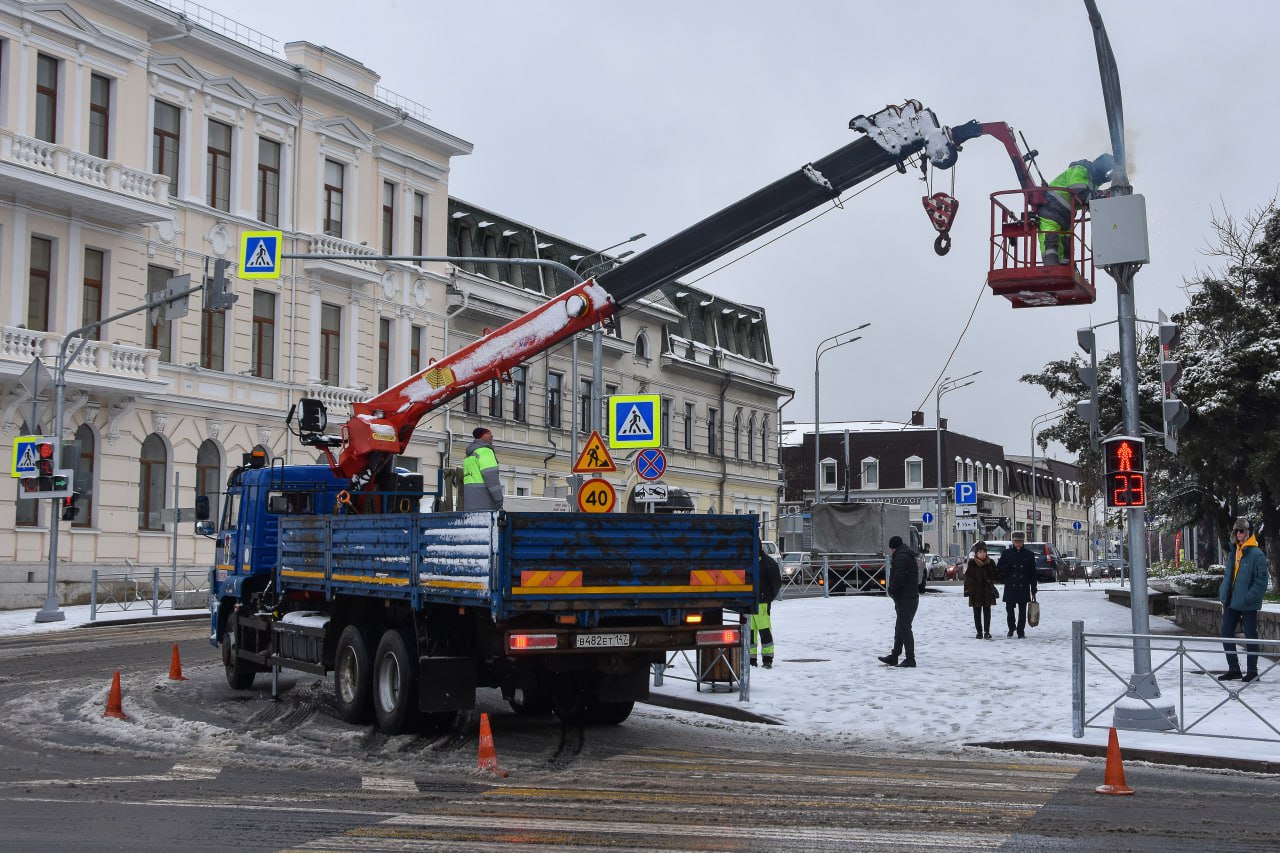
(137, 145)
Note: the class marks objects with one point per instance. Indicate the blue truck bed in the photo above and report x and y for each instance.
(512, 563)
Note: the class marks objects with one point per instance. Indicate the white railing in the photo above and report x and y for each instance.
(337, 400)
(323, 244)
(82, 168)
(108, 359)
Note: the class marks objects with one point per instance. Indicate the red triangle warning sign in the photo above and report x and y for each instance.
(594, 458)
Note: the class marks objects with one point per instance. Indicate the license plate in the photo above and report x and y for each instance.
(599, 641)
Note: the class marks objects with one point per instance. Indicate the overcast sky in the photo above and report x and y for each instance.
(597, 120)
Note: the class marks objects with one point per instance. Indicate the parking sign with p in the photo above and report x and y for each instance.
(966, 493)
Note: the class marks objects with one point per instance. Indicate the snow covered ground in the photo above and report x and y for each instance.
(827, 686)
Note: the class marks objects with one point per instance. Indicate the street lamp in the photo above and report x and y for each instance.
(947, 385)
(597, 335)
(1035, 490)
(825, 346)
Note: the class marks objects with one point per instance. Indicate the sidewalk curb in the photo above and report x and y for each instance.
(713, 709)
(1151, 756)
(174, 617)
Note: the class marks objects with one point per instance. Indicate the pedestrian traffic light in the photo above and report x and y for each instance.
(218, 295)
(44, 453)
(1124, 472)
(1087, 410)
(71, 506)
(1174, 411)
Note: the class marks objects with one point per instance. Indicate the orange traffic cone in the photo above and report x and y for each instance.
(488, 755)
(175, 666)
(1113, 782)
(113, 700)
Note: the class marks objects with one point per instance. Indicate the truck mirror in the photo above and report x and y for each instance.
(202, 507)
(205, 528)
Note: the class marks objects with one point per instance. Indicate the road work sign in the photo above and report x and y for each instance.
(594, 458)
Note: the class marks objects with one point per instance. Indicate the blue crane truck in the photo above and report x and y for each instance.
(334, 568)
(413, 611)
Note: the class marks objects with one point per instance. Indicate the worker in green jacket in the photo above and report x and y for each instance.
(481, 487)
(1081, 180)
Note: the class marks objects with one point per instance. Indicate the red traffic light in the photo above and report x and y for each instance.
(1123, 453)
(44, 449)
(1124, 472)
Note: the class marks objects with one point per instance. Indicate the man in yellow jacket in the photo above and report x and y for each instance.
(1081, 180)
(481, 487)
(1243, 585)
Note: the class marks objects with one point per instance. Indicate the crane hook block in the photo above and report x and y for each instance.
(941, 209)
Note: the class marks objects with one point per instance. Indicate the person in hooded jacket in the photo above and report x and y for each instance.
(980, 588)
(481, 488)
(1018, 568)
(1081, 180)
(904, 589)
(1243, 586)
(761, 623)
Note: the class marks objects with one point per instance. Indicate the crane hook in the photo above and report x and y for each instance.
(942, 244)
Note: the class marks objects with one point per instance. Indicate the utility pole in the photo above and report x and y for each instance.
(1120, 247)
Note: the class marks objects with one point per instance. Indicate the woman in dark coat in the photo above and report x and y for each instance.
(980, 588)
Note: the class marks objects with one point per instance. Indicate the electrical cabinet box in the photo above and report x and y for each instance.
(1120, 230)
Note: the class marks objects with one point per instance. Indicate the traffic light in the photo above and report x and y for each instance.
(1087, 410)
(1124, 479)
(218, 295)
(1174, 411)
(44, 453)
(71, 506)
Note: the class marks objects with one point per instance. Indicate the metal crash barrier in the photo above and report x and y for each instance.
(712, 666)
(1206, 707)
(139, 590)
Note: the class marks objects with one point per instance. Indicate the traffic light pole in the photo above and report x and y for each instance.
(51, 612)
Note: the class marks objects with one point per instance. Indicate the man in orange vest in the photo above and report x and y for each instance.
(1243, 585)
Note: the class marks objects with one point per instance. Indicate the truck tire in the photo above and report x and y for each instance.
(395, 684)
(240, 673)
(610, 713)
(352, 678)
(530, 703)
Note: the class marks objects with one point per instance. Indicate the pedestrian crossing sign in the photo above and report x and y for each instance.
(260, 254)
(24, 455)
(634, 421)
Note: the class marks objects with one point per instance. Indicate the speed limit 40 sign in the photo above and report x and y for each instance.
(597, 495)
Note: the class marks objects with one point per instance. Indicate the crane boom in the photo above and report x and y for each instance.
(382, 427)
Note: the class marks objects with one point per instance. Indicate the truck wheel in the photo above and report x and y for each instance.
(395, 684)
(352, 681)
(239, 672)
(572, 701)
(610, 713)
(529, 703)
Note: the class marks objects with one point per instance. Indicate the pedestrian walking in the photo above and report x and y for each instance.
(481, 488)
(1241, 595)
(761, 623)
(980, 589)
(904, 589)
(1017, 567)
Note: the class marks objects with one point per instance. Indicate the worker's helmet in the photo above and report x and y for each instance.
(1101, 168)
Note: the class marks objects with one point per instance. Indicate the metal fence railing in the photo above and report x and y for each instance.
(1205, 706)
(836, 574)
(148, 590)
(711, 666)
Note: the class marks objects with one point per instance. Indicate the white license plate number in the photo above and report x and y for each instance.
(603, 641)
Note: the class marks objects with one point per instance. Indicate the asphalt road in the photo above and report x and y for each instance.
(198, 766)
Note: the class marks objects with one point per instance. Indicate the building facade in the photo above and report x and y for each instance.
(137, 146)
(879, 461)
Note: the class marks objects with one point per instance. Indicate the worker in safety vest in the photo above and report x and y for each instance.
(481, 488)
(1081, 180)
(761, 625)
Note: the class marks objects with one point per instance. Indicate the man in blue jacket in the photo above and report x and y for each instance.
(1017, 567)
(1243, 585)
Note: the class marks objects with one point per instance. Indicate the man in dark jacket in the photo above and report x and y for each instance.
(1243, 585)
(481, 488)
(904, 589)
(761, 624)
(1018, 568)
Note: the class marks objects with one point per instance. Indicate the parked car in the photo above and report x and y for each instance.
(797, 567)
(937, 568)
(1048, 561)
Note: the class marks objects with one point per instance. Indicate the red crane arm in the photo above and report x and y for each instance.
(385, 423)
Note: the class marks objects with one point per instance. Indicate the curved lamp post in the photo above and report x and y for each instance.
(1035, 487)
(824, 346)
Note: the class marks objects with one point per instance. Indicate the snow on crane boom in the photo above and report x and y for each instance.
(381, 428)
